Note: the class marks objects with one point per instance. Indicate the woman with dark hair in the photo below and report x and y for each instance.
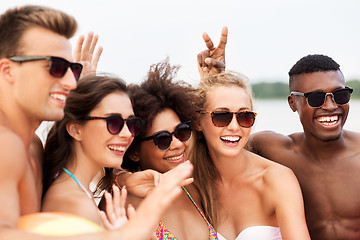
(79, 146)
(98, 127)
(167, 109)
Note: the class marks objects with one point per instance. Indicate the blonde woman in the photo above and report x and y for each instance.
(244, 195)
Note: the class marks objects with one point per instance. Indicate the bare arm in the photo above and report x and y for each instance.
(160, 198)
(269, 144)
(12, 169)
(285, 193)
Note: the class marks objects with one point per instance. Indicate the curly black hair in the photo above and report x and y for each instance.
(156, 93)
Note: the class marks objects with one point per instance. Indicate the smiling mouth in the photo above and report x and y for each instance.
(229, 139)
(175, 158)
(60, 97)
(328, 120)
(116, 148)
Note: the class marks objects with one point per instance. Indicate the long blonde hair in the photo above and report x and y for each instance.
(205, 171)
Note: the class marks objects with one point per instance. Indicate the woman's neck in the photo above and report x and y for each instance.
(230, 167)
(85, 173)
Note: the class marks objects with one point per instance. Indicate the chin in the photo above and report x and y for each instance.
(54, 116)
(330, 137)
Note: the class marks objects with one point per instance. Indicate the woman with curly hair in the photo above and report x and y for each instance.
(167, 108)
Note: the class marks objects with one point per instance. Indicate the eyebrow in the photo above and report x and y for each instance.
(115, 113)
(227, 109)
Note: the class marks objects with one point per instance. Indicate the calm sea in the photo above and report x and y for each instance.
(274, 115)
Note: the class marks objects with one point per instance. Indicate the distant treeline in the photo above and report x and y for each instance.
(281, 90)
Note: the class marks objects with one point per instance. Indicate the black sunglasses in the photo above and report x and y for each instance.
(317, 98)
(115, 123)
(58, 66)
(224, 118)
(163, 139)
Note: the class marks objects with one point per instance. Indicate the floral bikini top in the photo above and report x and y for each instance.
(164, 234)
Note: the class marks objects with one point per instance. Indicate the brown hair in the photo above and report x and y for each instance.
(205, 171)
(14, 22)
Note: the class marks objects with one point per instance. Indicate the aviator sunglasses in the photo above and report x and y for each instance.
(163, 139)
(115, 123)
(224, 118)
(317, 98)
(58, 66)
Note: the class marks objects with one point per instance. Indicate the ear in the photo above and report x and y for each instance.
(74, 130)
(134, 156)
(198, 126)
(6, 70)
(292, 103)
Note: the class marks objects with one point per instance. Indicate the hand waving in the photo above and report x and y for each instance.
(115, 216)
(84, 53)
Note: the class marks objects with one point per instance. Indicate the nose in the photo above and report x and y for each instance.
(329, 102)
(175, 143)
(233, 125)
(125, 132)
(68, 80)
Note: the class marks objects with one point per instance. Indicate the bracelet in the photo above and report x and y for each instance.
(118, 174)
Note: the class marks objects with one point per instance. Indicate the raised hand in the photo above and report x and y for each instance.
(84, 53)
(212, 60)
(115, 216)
(140, 183)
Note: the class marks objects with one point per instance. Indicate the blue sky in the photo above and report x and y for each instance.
(266, 37)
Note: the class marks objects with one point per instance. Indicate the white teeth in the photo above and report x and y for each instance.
(59, 96)
(230, 139)
(117, 148)
(328, 119)
(175, 158)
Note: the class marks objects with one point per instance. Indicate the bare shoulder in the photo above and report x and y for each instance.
(73, 202)
(281, 181)
(13, 153)
(278, 174)
(353, 137)
(274, 173)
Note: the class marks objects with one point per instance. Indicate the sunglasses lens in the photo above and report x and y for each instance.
(245, 119)
(221, 118)
(58, 67)
(163, 140)
(115, 124)
(316, 99)
(76, 68)
(183, 132)
(342, 96)
(134, 125)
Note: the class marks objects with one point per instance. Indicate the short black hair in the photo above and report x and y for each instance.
(310, 64)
